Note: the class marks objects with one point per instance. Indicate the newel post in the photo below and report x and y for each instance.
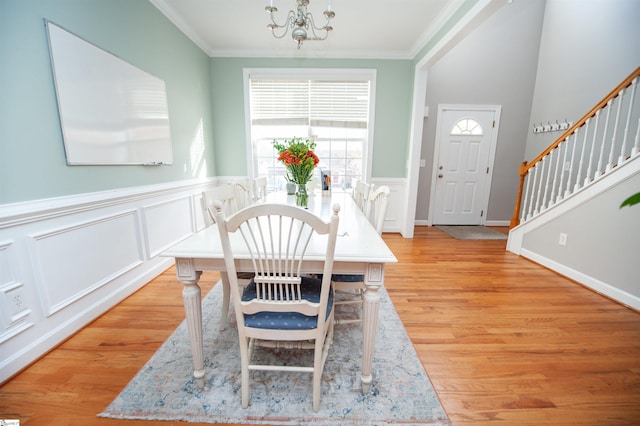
(515, 220)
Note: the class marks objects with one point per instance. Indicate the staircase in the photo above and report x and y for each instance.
(599, 154)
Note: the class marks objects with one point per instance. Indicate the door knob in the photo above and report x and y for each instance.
(441, 175)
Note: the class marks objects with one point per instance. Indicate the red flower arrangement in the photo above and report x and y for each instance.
(299, 159)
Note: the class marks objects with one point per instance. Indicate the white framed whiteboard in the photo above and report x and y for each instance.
(111, 112)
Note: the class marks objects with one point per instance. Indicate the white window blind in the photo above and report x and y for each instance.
(339, 103)
(332, 113)
(279, 102)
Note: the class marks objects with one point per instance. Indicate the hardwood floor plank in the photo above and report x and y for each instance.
(506, 341)
(503, 340)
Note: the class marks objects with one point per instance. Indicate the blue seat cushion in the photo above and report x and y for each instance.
(347, 278)
(310, 289)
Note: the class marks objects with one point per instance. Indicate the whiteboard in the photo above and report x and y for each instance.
(110, 111)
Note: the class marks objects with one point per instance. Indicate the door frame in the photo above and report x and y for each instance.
(497, 109)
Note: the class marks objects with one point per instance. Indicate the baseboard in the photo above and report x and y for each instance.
(25, 356)
(497, 223)
(592, 283)
(489, 223)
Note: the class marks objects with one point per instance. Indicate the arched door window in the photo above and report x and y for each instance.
(466, 126)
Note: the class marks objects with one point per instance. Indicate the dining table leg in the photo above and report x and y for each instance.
(191, 296)
(374, 279)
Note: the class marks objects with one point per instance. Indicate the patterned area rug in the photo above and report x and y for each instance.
(466, 232)
(401, 392)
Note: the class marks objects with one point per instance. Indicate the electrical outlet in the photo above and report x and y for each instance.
(563, 239)
(13, 304)
(18, 303)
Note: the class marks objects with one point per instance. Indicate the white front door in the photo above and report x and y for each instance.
(463, 163)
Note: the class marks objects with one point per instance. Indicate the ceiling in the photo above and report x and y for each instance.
(362, 28)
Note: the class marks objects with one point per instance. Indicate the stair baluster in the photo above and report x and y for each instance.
(615, 133)
(588, 177)
(567, 191)
(623, 149)
(581, 162)
(546, 180)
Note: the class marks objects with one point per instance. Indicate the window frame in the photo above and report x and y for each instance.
(310, 74)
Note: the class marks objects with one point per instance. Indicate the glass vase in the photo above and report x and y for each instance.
(302, 196)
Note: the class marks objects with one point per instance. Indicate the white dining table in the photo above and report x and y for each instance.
(359, 250)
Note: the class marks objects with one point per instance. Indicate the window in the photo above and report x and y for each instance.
(331, 108)
(466, 126)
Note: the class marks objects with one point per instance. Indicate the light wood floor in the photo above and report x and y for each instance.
(503, 340)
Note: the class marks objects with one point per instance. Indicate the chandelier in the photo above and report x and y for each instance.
(300, 22)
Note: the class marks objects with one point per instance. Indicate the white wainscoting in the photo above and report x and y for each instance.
(65, 261)
(72, 255)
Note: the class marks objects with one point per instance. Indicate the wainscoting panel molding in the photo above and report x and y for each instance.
(84, 256)
(64, 261)
(167, 223)
(14, 308)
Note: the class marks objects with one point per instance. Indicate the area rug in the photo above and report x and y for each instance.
(401, 392)
(467, 232)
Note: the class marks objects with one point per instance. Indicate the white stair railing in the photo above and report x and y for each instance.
(569, 164)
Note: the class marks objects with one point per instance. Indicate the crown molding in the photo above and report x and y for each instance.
(326, 53)
(443, 17)
(293, 53)
(478, 13)
(286, 52)
(175, 18)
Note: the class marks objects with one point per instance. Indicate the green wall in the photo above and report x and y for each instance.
(32, 160)
(205, 96)
(392, 116)
(394, 97)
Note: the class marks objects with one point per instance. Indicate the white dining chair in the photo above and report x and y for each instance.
(224, 193)
(227, 195)
(259, 188)
(234, 195)
(360, 193)
(243, 193)
(376, 207)
(350, 287)
(280, 307)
